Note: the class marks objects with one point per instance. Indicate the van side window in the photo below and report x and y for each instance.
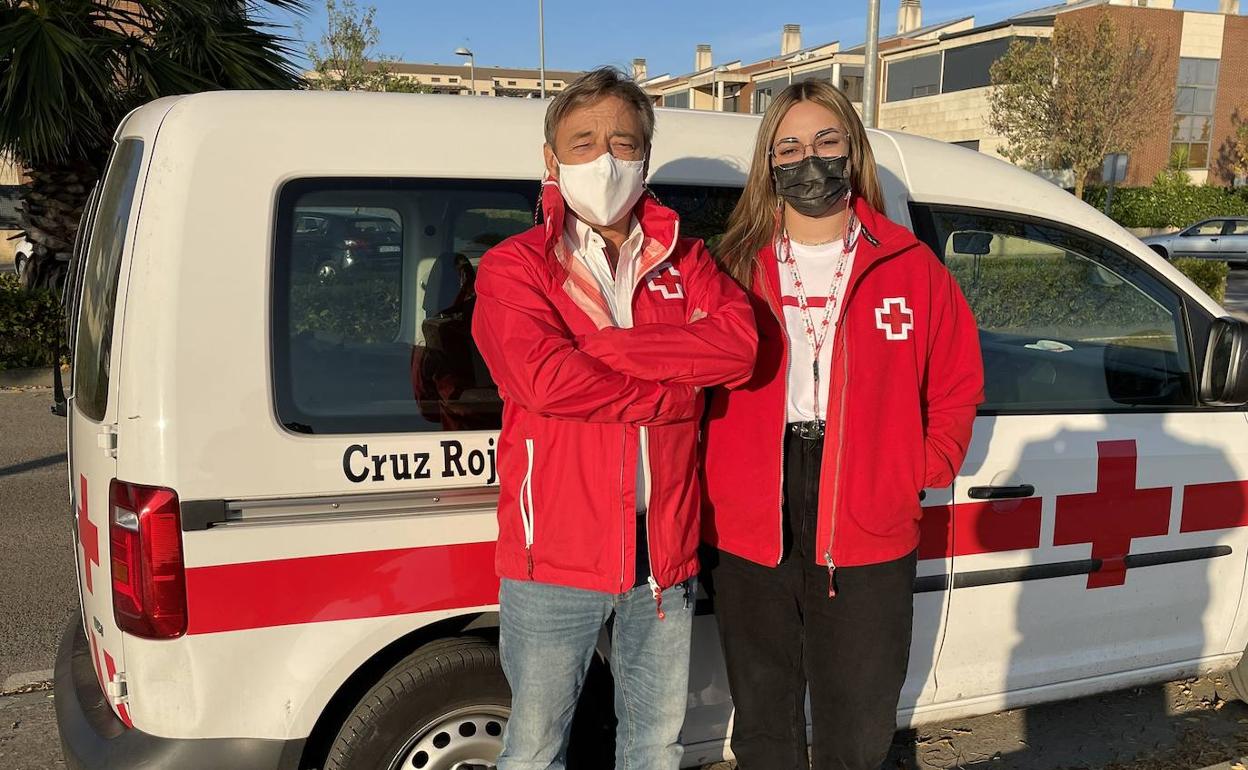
(100, 275)
(374, 294)
(1066, 322)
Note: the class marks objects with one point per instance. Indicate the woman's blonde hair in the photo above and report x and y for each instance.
(754, 221)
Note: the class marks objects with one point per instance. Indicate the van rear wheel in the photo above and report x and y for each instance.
(441, 708)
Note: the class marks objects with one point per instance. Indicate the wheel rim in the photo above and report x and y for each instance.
(472, 735)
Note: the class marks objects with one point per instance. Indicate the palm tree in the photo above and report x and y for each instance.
(70, 70)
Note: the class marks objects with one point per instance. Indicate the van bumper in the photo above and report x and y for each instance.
(93, 738)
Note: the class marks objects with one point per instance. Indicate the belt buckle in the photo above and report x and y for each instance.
(811, 430)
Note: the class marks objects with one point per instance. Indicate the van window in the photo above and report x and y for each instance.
(1066, 322)
(101, 273)
(373, 297)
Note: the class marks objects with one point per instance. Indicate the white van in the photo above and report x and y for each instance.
(281, 439)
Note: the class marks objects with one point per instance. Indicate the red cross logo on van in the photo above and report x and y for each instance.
(666, 280)
(1114, 515)
(894, 318)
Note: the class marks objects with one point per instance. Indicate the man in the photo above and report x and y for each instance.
(600, 326)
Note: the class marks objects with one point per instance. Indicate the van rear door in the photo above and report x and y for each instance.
(92, 408)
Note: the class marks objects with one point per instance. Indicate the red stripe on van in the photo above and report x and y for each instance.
(234, 597)
(1221, 505)
(990, 526)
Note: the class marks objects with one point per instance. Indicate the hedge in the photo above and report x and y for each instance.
(1208, 274)
(30, 325)
(1169, 205)
(1063, 296)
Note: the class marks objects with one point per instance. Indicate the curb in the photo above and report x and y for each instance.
(26, 378)
(1235, 764)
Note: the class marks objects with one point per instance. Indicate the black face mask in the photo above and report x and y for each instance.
(813, 185)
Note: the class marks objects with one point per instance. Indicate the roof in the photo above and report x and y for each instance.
(929, 29)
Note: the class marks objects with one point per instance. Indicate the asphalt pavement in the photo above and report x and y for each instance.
(37, 582)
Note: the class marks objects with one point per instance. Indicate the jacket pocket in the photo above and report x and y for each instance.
(525, 499)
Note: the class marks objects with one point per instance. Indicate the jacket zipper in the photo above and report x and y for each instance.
(526, 507)
(655, 589)
(840, 444)
(788, 363)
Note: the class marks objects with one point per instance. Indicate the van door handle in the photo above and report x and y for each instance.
(1001, 493)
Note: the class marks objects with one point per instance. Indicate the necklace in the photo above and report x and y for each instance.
(816, 337)
(813, 245)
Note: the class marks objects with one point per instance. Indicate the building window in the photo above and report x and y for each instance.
(732, 97)
(968, 66)
(679, 99)
(436, 80)
(511, 82)
(557, 84)
(851, 83)
(1193, 113)
(912, 78)
(762, 99)
(454, 80)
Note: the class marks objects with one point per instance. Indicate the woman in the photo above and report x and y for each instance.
(868, 376)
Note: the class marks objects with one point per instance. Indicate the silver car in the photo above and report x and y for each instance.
(1224, 239)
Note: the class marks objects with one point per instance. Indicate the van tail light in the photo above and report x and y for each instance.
(145, 550)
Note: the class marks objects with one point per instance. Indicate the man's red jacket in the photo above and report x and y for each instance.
(906, 379)
(576, 390)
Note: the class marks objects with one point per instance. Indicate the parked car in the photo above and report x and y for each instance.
(21, 255)
(1224, 239)
(284, 544)
(329, 241)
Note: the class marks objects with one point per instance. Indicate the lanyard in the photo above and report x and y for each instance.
(815, 337)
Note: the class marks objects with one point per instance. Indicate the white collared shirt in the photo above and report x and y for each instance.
(617, 288)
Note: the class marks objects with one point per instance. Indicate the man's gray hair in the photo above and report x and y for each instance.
(594, 85)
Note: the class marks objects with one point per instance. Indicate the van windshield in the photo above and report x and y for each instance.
(373, 297)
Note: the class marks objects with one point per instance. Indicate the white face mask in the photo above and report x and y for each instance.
(602, 191)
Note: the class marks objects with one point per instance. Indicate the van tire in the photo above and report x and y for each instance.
(433, 683)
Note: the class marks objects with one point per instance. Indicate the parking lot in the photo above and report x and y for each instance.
(1186, 724)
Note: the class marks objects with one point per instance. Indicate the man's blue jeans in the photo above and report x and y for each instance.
(548, 636)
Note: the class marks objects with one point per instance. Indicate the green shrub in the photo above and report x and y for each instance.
(1208, 274)
(1169, 205)
(1052, 294)
(349, 308)
(30, 326)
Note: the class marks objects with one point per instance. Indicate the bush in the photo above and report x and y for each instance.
(30, 326)
(1208, 274)
(1169, 205)
(1053, 294)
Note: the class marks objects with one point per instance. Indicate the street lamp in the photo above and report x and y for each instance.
(472, 67)
(541, 47)
(870, 78)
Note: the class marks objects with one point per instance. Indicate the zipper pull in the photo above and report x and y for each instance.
(657, 593)
(831, 574)
(528, 553)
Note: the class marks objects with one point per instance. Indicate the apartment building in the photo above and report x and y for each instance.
(489, 81)
(935, 79)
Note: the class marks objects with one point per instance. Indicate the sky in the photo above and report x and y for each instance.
(587, 33)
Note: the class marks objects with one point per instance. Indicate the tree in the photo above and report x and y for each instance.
(70, 70)
(1237, 147)
(346, 58)
(1089, 91)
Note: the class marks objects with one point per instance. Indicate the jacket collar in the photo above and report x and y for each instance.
(660, 226)
(880, 239)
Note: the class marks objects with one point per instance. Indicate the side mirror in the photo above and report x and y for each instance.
(1224, 381)
(972, 243)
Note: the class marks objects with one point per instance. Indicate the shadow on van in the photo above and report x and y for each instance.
(1125, 612)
